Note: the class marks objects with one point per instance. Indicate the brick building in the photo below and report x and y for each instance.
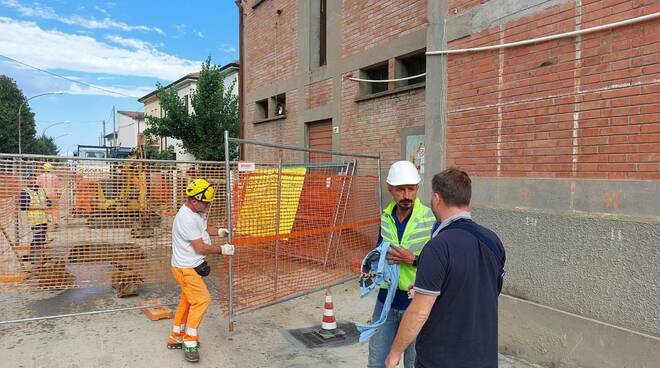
(561, 137)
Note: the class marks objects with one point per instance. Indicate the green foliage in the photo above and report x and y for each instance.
(152, 152)
(44, 146)
(215, 109)
(11, 99)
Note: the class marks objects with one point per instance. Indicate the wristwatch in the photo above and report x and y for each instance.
(414, 264)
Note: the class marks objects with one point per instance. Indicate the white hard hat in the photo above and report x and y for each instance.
(403, 173)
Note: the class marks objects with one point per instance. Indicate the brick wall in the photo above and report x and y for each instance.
(367, 23)
(271, 49)
(374, 126)
(282, 131)
(319, 93)
(582, 107)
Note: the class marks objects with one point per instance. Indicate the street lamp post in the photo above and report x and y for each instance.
(20, 147)
(43, 132)
(60, 136)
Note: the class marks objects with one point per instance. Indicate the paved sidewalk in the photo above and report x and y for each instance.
(129, 339)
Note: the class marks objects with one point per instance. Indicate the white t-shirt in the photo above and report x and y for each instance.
(188, 226)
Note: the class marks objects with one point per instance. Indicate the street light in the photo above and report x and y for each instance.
(20, 150)
(43, 132)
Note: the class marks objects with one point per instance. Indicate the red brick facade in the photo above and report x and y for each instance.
(319, 94)
(271, 48)
(579, 107)
(582, 107)
(374, 125)
(367, 23)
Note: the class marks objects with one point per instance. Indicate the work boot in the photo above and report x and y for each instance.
(179, 345)
(191, 353)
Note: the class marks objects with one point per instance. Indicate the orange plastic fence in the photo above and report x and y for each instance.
(298, 226)
(102, 222)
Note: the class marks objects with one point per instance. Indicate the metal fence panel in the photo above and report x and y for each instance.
(301, 220)
(107, 221)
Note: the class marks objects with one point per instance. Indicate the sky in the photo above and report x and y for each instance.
(123, 47)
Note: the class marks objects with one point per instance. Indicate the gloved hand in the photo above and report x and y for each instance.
(227, 250)
(223, 232)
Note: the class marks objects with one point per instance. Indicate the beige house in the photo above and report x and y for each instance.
(185, 88)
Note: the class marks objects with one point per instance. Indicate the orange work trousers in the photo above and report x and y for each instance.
(195, 299)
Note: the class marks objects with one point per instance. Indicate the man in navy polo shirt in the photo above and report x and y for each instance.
(453, 316)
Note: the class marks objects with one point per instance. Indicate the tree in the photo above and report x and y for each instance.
(11, 99)
(44, 146)
(152, 152)
(215, 109)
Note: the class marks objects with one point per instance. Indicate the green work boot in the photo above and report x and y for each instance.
(191, 353)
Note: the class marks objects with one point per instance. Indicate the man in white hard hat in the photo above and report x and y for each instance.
(407, 225)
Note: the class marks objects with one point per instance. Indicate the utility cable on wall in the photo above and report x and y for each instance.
(549, 38)
(387, 80)
(519, 43)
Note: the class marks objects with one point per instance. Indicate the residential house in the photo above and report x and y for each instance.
(130, 128)
(185, 87)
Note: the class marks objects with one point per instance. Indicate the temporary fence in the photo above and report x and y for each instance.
(301, 220)
(71, 222)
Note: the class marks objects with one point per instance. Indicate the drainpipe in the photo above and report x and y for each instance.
(241, 88)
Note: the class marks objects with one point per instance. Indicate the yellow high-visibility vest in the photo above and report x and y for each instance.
(38, 201)
(415, 236)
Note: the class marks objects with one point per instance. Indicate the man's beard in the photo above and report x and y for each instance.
(405, 203)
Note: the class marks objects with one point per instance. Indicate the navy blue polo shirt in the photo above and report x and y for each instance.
(461, 330)
(400, 301)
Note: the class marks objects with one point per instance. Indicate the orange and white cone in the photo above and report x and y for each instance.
(329, 322)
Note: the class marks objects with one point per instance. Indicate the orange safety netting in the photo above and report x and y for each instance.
(298, 226)
(103, 222)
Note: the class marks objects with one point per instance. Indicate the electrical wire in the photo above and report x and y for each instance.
(549, 38)
(68, 79)
(387, 80)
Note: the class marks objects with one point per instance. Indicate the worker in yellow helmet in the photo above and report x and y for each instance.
(52, 186)
(34, 203)
(191, 242)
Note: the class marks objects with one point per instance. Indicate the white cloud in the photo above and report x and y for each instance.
(227, 48)
(138, 92)
(105, 78)
(27, 42)
(101, 10)
(130, 42)
(41, 12)
(200, 34)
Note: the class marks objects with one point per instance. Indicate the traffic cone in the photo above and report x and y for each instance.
(329, 323)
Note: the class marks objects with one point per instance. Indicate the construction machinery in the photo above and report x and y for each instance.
(120, 201)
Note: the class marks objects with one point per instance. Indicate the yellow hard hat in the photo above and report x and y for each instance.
(201, 190)
(48, 166)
